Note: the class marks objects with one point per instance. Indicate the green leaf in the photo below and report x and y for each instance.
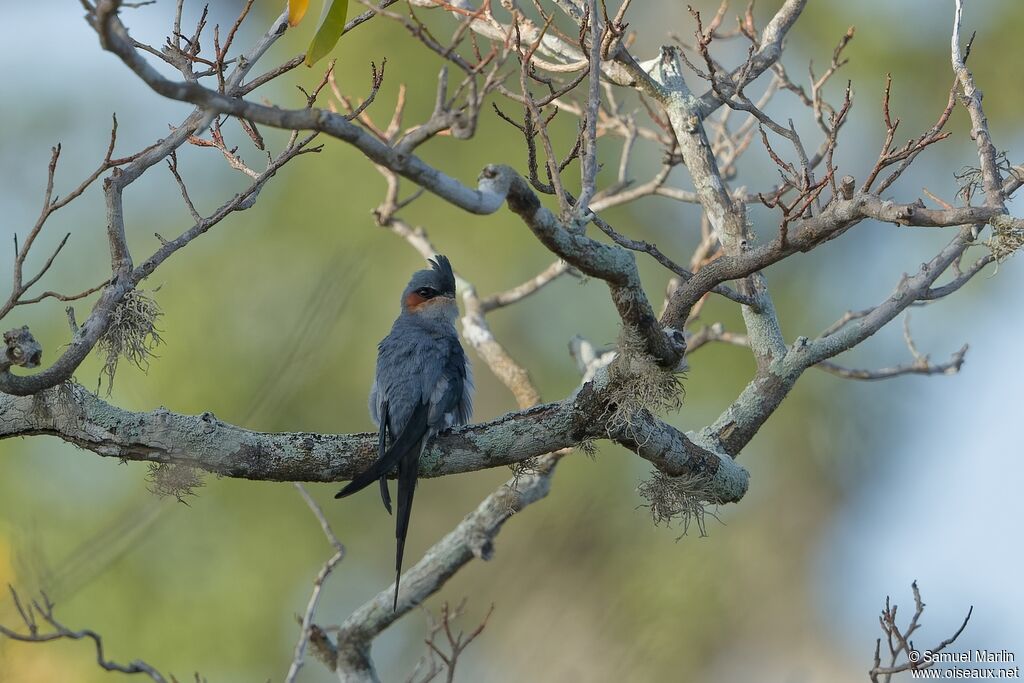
(332, 25)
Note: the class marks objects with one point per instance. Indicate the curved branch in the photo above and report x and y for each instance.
(727, 217)
(114, 37)
(496, 184)
(768, 52)
(806, 234)
(44, 609)
(987, 154)
(909, 290)
(920, 366)
(531, 286)
(77, 416)
(124, 278)
(611, 263)
(472, 538)
(96, 325)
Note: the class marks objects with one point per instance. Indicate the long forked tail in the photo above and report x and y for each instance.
(408, 441)
(408, 470)
(404, 453)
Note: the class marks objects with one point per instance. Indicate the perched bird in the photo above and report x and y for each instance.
(423, 385)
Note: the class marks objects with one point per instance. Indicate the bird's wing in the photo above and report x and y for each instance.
(382, 443)
(408, 440)
(374, 402)
(451, 398)
(465, 408)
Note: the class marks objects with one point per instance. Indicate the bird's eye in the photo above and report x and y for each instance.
(426, 292)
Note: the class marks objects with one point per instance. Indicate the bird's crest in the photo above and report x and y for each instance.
(426, 284)
(443, 267)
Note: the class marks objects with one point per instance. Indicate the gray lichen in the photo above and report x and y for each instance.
(677, 499)
(1007, 237)
(169, 479)
(132, 334)
(638, 383)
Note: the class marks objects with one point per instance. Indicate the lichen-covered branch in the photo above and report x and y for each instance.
(497, 183)
(77, 416)
(472, 538)
(124, 276)
(727, 218)
(613, 264)
(767, 53)
(991, 180)
(625, 387)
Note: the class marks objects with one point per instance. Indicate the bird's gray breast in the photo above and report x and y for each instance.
(422, 364)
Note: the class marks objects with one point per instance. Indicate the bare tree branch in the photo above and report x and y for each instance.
(472, 538)
(59, 631)
(79, 417)
(624, 386)
(899, 643)
(125, 277)
(306, 623)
